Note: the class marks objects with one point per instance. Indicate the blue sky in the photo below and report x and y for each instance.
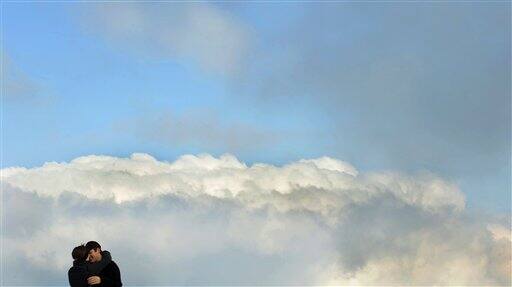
(388, 86)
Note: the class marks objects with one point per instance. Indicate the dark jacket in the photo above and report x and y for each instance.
(78, 274)
(96, 267)
(110, 276)
(82, 270)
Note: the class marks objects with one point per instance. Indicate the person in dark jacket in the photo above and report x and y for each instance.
(82, 269)
(110, 275)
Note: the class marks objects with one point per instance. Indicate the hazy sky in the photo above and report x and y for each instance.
(415, 97)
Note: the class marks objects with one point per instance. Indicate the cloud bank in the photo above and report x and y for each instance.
(207, 220)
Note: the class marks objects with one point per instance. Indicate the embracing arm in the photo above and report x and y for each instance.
(96, 267)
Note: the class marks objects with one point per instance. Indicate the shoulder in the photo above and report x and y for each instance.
(114, 265)
(111, 266)
(75, 269)
(106, 253)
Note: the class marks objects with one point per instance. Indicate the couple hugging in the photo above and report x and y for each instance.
(93, 267)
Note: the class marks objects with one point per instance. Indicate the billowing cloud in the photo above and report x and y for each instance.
(206, 220)
(210, 37)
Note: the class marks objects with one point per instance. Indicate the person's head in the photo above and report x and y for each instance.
(79, 253)
(94, 251)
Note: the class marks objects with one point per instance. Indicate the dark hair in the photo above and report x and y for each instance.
(92, 245)
(79, 253)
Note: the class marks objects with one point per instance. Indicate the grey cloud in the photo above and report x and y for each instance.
(376, 229)
(18, 87)
(413, 86)
(202, 129)
(196, 32)
(416, 85)
(21, 271)
(21, 89)
(25, 212)
(78, 205)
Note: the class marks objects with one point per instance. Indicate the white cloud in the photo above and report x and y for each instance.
(206, 220)
(140, 176)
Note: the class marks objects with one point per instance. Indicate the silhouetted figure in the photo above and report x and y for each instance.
(108, 276)
(82, 269)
